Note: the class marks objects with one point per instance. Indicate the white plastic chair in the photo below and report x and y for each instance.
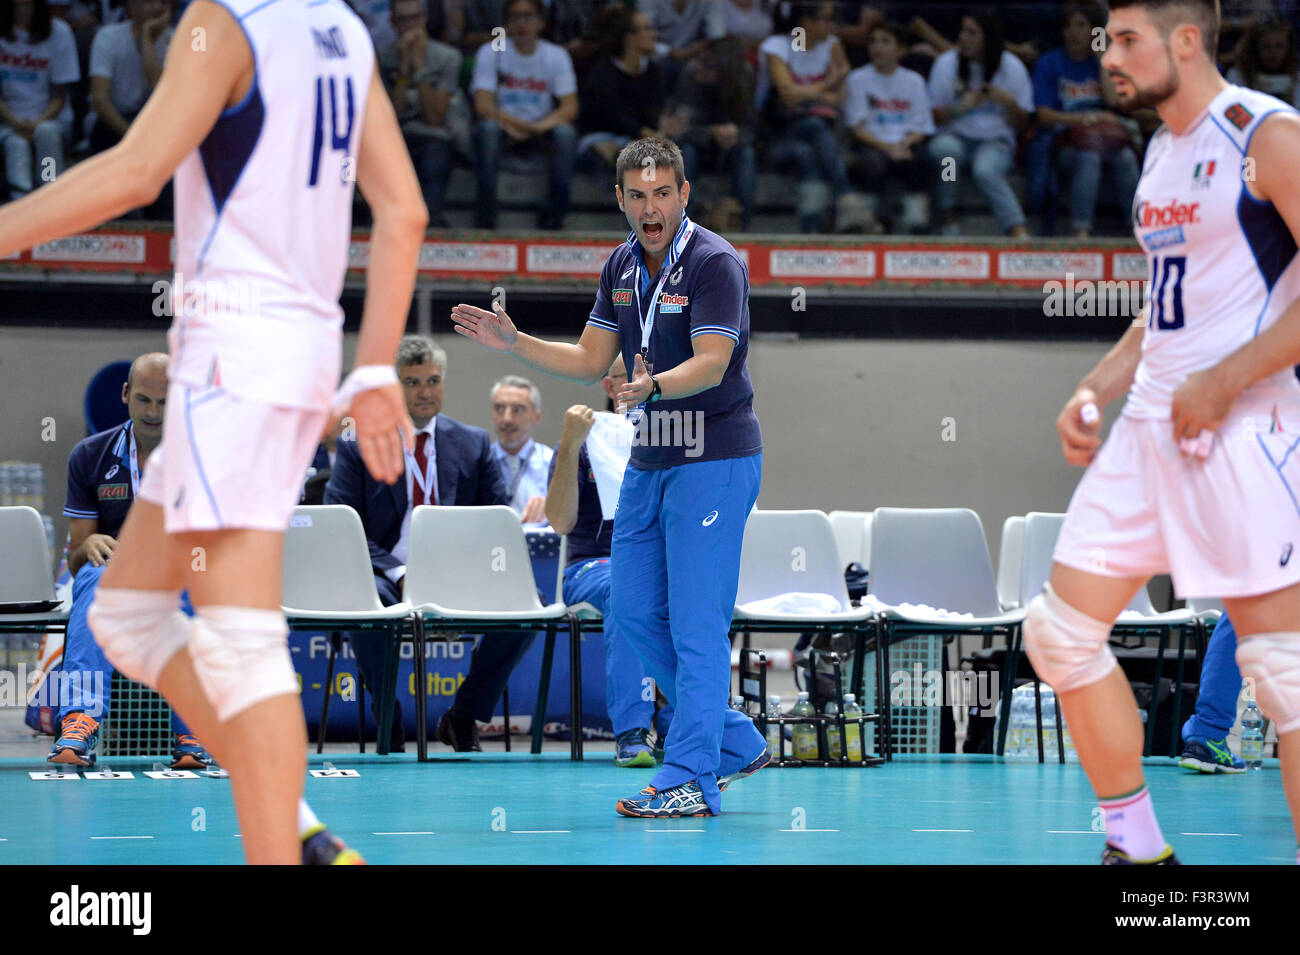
(329, 584)
(468, 570)
(794, 552)
(1009, 563)
(939, 558)
(28, 602)
(852, 534)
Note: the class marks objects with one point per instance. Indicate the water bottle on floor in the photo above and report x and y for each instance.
(773, 729)
(805, 734)
(833, 745)
(1252, 739)
(738, 703)
(853, 731)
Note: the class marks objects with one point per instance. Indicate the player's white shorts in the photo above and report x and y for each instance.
(226, 462)
(1227, 526)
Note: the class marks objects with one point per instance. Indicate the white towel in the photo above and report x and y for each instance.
(609, 445)
(795, 603)
(915, 610)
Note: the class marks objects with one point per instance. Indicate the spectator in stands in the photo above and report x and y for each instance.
(1268, 61)
(684, 28)
(377, 16)
(1071, 105)
(715, 101)
(801, 88)
(982, 98)
(422, 77)
(524, 461)
(573, 508)
(749, 21)
(624, 95)
(524, 91)
(103, 474)
(452, 464)
(854, 24)
(38, 63)
(126, 60)
(887, 111)
(1236, 17)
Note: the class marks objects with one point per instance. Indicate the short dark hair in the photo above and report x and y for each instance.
(538, 7)
(639, 153)
(1170, 14)
(1082, 8)
(894, 29)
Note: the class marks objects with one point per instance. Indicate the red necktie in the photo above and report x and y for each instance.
(422, 464)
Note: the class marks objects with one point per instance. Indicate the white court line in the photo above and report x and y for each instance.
(1074, 832)
(401, 833)
(121, 837)
(943, 830)
(807, 830)
(535, 832)
(674, 830)
(1209, 833)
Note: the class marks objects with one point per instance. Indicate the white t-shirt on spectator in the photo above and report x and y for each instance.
(753, 23)
(698, 19)
(806, 66)
(526, 87)
(115, 57)
(29, 71)
(888, 107)
(986, 121)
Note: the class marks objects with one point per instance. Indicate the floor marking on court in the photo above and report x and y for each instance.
(674, 830)
(121, 837)
(1209, 833)
(422, 833)
(807, 830)
(943, 830)
(537, 832)
(964, 802)
(1074, 832)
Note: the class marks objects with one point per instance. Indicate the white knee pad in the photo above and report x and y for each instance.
(241, 657)
(1272, 660)
(1068, 649)
(138, 630)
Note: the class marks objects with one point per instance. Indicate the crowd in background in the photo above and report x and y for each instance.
(899, 117)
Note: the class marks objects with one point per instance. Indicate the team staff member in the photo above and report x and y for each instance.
(103, 477)
(674, 300)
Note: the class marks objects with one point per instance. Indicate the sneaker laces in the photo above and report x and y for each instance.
(80, 726)
(185, 739)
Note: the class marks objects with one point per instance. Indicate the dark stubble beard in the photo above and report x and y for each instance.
(1153, 97)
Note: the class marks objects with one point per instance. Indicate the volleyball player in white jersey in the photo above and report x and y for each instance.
(1199, 477)
(267, 112)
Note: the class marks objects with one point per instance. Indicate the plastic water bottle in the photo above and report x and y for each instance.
(773, 729)
(805, 734)
(1252, 740)
(833, 746)
(738, 703)
(853, 730)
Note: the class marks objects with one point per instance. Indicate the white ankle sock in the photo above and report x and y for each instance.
(306, 819)
(1131, 825)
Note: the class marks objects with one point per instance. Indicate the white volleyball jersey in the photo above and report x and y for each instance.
(264, 211)
(1222, 264)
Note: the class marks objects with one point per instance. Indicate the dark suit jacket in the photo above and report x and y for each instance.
(467, 475)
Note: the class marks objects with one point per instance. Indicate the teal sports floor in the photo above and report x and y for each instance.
(497, 808)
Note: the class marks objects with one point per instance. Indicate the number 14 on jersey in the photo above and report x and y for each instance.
(339, 142)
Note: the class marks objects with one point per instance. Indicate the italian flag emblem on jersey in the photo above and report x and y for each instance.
(1203, 171)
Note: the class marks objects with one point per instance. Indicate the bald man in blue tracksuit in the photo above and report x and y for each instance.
(674, 301)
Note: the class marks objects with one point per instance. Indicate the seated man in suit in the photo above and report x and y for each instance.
(453, 465)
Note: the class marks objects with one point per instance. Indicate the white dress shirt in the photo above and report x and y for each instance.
(403, 544)
(526, 474)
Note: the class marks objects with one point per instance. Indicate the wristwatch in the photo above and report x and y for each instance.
(655, 393)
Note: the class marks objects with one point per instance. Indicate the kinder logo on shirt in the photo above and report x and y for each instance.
(1173, 212)
(24, 62)
(527, 83)
(673, 303)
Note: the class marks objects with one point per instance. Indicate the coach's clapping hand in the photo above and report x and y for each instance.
(1079, 438)
(493, 329)
(99, 548)
(639, 387)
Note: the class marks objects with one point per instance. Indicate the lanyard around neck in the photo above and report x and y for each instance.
(674, 253)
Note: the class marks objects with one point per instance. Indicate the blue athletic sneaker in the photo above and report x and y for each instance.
(633, 749)
(188, 753)
(763, 759)
(76, 744)
(683, 800)
(1210, 756)
(322, 847)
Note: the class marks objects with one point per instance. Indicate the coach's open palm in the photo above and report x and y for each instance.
(384, 431)
(492, 329)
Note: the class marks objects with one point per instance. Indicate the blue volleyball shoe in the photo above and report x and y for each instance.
(674, 802)
(78, 737)
(1210, 756)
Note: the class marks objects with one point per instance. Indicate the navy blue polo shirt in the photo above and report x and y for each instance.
(706, 292)
(99, 479)
(592, 535)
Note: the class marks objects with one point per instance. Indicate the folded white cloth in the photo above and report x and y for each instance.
(609, 445)
(915, 610)
(796, 603)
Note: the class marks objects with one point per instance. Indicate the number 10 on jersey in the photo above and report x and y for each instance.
(338, 142)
